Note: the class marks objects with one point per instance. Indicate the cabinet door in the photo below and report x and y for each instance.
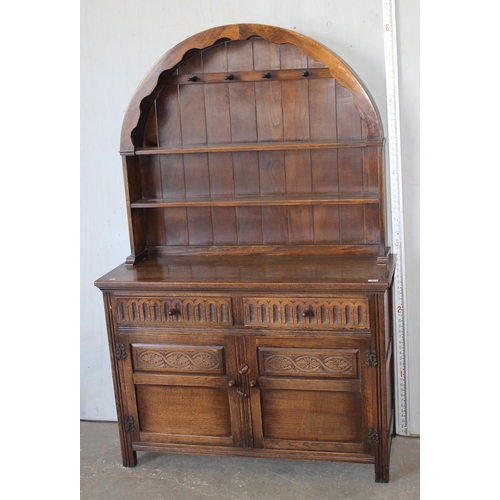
(183, 390)
(310, 394)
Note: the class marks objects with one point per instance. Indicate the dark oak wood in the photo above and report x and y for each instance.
(253, 316)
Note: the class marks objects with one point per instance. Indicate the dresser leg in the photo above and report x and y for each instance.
(129, 458)
(382, 468)
(381, 476)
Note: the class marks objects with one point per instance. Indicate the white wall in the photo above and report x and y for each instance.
(122, 39)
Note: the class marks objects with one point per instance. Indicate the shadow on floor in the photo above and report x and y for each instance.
(187, 477)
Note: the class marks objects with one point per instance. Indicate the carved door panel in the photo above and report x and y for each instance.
(183, 389)
(310, 394)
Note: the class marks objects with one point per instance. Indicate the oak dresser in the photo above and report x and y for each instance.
(253, 316)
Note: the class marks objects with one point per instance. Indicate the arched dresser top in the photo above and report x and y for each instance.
(138, 110)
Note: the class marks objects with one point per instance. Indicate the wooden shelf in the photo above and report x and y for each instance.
(248, 201)
(256, 146)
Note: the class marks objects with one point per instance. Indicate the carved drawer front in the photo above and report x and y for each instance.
(341, 313)
(174, 310)
(183, 359)
(302, 362)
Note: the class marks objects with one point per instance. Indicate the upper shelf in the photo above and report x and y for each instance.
(256, 146)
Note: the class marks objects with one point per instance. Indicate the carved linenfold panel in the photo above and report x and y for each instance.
(178, 359)
(174, 310)
(308, 362)
(350, 313)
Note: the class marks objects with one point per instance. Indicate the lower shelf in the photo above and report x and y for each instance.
(252, 201)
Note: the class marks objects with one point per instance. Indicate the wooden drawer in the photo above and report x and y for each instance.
(338, 313)
(174, 310)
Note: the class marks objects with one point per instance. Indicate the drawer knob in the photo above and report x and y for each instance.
(174, 311)
(266, 75)
(193, 79)
(253, 383)
(229, 77)
(231, 383)
(305, 73)
(244, 370)
(307, 314)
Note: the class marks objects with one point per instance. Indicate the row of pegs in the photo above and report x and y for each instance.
(265, 75)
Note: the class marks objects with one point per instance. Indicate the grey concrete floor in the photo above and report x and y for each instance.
(186, 477)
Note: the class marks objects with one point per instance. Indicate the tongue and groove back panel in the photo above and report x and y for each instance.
(252, 143)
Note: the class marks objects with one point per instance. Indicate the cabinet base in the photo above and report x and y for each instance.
(381, 465)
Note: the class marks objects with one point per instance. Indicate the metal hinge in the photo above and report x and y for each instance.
(373, 436)
(371, 357)
(121, 351)
(129, 423)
